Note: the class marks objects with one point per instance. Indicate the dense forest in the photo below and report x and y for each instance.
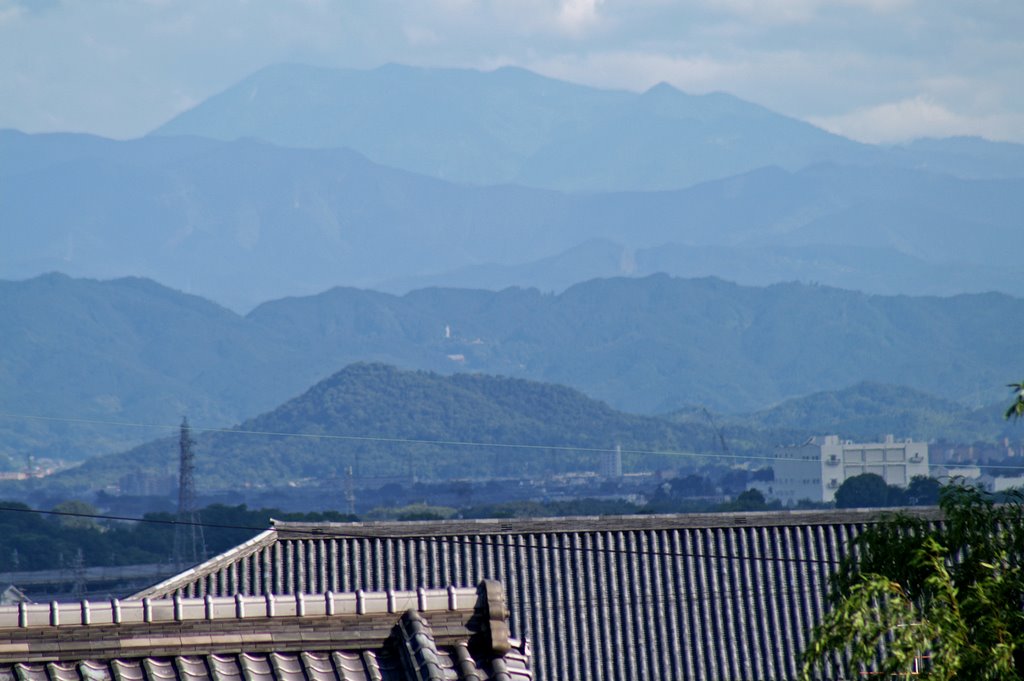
(133, 352)
(383, 421)
(33, 541)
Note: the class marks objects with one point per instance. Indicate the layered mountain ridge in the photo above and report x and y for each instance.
(131, 351)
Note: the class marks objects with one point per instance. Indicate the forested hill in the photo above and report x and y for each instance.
(869, 410)
(362, 408)
(144, 353)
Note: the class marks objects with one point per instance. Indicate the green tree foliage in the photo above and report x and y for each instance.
(76, 515)
(381, 401)
(1016, 409)
(945, 596)
(864, 491)
(923, 491)
(31, 541)
(750, 500)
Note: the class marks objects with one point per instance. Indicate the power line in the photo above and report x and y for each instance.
(460, 540)
(440, 443)
(367, 438)
(155, 521)
(668, 594)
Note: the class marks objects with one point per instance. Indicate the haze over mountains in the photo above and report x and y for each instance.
(350, 185)
(514, 126)
(133, 351)
(391, 403)
(237, 244)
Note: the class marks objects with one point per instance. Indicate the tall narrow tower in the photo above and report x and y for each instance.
(350, 491)
(611, 464)
(189, 543)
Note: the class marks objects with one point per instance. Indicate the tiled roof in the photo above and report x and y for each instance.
(423, 634)
(700, 596)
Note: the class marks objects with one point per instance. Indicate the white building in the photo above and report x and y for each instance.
(816, 469)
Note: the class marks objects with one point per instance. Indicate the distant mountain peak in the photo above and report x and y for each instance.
(508, 125)
(662, 87)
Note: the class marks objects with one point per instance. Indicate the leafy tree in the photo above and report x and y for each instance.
(923, 491)
(749, 500)
(76, 509)
(947, 596)
(1016, 409)
(863, 491)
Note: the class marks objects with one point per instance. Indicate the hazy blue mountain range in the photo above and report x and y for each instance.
(514, 126)
(133, 351)
(867, 411)
(126, 350)
(385, 402)
(371, 402)
(243, 222)
(869, 269)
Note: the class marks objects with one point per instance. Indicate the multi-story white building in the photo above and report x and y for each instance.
(816, 469)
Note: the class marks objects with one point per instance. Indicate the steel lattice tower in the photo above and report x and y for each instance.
(189, 543)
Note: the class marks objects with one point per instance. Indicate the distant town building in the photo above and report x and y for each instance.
(816, 469)
(148, 484)
(611, 464)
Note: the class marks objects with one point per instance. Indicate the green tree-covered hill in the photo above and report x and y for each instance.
(867, 411)
(133, 351)
(363, 408)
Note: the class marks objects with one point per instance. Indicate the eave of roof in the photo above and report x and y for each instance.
(263, 539)
(489, 526)
(427, 633)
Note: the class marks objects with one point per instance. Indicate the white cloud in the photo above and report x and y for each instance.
(576, 16)
(779, 12)
(917, 117)
(112, 67)
(420, 36)
(9, 12)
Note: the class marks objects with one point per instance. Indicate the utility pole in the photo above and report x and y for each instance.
(350, 491)
(78, 574)
(718, 431)
(189, 543)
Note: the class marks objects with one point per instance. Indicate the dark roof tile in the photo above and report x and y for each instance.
(710, 596)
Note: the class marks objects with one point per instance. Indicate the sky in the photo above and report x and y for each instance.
(875, 70)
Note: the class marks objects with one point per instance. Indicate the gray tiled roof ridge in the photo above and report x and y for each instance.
(263, 539)
(667, 593)
(603, 523)
(238, 607)
(453, 633)
(492, 526)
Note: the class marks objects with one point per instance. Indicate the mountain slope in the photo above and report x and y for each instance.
(866, 411)
(667, 139)
(243, 222)
(124, 351)
(130, 350)
(453, 124)
(374, 402)
(511, 125)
